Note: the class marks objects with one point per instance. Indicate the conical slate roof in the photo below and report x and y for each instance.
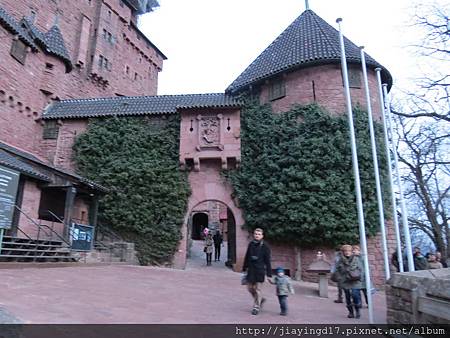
(308, 41)
(55, 45)
(52, 41)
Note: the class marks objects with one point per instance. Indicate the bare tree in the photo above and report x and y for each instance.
(431, 96)
(424, 150)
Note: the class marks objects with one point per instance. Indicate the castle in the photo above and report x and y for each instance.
(65, 63)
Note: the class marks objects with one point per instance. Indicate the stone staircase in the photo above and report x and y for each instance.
(18, 249)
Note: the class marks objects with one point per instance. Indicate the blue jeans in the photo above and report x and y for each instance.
(283, 304)
(353, 294)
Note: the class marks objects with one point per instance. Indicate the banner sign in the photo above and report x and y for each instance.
(81, 237)
(9, 181)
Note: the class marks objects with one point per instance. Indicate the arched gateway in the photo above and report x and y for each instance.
(209, 143)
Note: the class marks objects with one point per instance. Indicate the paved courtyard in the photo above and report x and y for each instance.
(151, 295)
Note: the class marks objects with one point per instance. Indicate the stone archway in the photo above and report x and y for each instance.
(208, 185)
(221, 220)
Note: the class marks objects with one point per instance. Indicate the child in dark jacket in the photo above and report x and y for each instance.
(284, 287)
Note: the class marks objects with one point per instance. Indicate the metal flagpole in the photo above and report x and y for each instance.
(391, 180)
(362, 230)
(1, 239)
(400, 191)
(387, 272)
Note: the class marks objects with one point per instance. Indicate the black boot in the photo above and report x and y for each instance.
(350, 312)
(357, 314)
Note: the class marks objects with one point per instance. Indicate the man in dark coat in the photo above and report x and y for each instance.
(218, 239)
(257, 265)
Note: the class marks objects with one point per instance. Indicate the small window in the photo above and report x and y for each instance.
(100, 61)
(127, 70)
(49, 66)
(136, 76)
(19, 51)
(277, 89)
(51, 130)
(354, 78)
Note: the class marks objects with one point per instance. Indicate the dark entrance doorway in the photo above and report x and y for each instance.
(219, 219)
(199, 222)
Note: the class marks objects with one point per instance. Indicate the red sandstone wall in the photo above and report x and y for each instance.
(68, 132)
(30, 206)
(286, 256)
(328, 89)
(25, 90)
(229, 138)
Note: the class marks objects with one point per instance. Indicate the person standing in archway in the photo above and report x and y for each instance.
(208, 248)
(218, 239)
(257, 265)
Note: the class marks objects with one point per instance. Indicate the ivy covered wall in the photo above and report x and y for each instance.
(137, 159)
(296, 179)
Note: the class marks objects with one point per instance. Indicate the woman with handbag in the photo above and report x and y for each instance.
(208, 249)
(350, 270)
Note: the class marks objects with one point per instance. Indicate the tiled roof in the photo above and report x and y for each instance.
(32, 166)
(14, 27)
(308, 41)
(136, 105)
(16, 163)
(54, 42)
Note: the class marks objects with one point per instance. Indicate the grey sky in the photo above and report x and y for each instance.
(210, 42)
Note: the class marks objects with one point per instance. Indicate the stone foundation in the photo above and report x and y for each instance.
(420, 297)
(117, 252)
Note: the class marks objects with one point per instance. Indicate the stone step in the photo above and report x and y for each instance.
(10, 239)
(59, 250)
(30, 246)
(17, 258)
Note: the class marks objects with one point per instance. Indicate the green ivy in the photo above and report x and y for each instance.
(296, 179)
(137, 159)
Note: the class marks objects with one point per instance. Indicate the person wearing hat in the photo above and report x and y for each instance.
(283, 289)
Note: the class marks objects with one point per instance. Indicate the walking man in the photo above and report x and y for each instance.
(218, 239)
(257, 265)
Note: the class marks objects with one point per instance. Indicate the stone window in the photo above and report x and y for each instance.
(51, 129)
(277, 89)
(49, 67)
(19, 51)
(354, 77)
(104, 62)
(107, 36)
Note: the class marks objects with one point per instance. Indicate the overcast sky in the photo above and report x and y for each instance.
(208, 43)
